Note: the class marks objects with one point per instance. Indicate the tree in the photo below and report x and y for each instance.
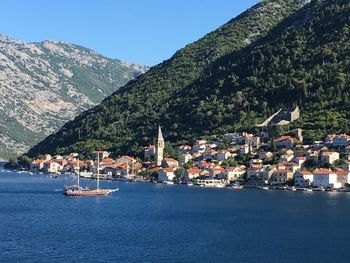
(273, 145)
(24, 161)
(180, 173)
(229, 163)
(12, 164)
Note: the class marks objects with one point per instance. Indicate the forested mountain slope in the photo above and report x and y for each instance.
(198, 93)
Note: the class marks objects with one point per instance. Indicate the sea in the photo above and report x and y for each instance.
(146, 222)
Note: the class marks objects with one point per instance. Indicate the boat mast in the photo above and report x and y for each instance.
(98, 170)
(132, 170)
(78, 172)
(127, 169)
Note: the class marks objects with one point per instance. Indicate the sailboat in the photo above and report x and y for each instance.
(77, 190)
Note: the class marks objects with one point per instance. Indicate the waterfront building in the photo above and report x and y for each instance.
(303, 178)
(281, 176)
(325, 178)
(159, 148)
(51, 166)
(343, 176)
(261, 172)
(166, 174)
(192, 173)
(234, 173)
(37, 165)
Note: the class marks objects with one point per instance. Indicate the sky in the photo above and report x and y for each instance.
(139, 31)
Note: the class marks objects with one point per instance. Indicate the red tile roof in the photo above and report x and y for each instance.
(194, 171)
(323, 171)
(170, 160)
(305, 172)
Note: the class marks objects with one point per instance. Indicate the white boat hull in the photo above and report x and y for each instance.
(94, 192)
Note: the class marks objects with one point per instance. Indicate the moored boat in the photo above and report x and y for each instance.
(77, 190)
(237, 187)
(209, 183)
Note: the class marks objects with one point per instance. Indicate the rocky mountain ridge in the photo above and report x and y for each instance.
(46, 84)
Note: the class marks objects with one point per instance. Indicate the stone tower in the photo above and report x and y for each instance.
(159, 148)
(298, 134)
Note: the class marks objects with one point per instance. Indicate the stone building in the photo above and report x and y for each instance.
(159, 148)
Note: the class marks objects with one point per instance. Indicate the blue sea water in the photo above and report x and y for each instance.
(146, 222)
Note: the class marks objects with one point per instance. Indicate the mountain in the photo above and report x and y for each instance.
(43, 85)
(278, 53)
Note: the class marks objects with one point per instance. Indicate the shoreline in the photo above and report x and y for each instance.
(229, 186)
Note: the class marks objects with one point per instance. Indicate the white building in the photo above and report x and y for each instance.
(245, 149)
(325, 178)
(303, 178)
(192, 173)
(300, 161)
(261, 173)
(184, 158)
(166, 174)
(329, 157)
(234, 173)
(223, 155)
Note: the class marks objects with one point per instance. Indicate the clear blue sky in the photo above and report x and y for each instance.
(141, 31)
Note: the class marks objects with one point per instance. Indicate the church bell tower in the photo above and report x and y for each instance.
(159, 147)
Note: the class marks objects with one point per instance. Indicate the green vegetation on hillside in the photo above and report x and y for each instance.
(219, 84)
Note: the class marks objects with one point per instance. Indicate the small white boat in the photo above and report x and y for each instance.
(265, 188)
(168, 182)
(190, 184)
(237, 187)
(209, 183)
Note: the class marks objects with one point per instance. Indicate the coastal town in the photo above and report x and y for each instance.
(241, 160)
